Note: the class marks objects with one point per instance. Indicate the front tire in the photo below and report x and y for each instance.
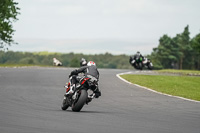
(64, 105)
(140, 66)
(81, 101)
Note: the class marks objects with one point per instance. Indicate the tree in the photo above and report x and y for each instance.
(184, 47)
(8, 15)
(195, 42)
(74, 62)
(166, 53)
(177, 52)
(164, 50)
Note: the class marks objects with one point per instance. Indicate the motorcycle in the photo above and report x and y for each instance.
(147, 63)
(139, 63)
(83, 93)
(136, 62)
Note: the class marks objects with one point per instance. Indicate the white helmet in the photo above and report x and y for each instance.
(83, 62)
(90, 63)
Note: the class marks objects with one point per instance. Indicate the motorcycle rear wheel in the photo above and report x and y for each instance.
(150, 67)
(76, 107)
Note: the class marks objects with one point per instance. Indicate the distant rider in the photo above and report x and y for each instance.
(83, 62)
(88, 70)
(138, 54)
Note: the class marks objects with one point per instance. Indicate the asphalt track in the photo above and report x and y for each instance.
(30, 100)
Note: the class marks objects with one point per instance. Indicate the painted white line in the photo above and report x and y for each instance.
(118, 75)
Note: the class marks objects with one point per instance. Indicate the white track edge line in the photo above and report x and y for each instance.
(118, 75)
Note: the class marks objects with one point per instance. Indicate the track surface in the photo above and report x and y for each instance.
(30, 100)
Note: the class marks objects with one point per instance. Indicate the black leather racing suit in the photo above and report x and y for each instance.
(87, 70)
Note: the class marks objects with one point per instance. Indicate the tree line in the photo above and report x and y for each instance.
(106, 60)
(179, 52)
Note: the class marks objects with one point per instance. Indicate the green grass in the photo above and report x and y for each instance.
(183, 86)
(182, 72)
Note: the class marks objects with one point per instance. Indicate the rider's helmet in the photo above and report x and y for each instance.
(138, 53)
(83, 62)
(91, 63)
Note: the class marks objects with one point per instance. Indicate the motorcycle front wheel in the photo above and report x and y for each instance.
(81, 100)
(64, 105)
(140, 66)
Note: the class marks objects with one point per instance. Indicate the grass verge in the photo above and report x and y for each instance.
(181, 72)
(183, 86)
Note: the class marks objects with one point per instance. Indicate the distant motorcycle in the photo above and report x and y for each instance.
(139, 63)
(147, 63)
(81, 95)
(56, 62)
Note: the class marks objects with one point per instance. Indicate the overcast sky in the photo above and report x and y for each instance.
(99, 26)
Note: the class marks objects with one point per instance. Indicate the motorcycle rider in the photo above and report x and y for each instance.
(138, 54)
(83, 62)
(89, 70)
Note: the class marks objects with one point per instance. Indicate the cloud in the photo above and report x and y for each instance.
(71, 10)
(121, 24)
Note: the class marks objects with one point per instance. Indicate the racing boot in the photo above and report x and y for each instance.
(97, 92)
(88, 100)
(90, 97)
(71, 90)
